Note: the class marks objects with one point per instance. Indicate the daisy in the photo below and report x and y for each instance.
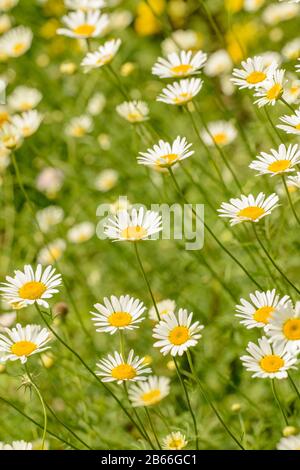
(48, 217)
(220, 133)
(115, 368)
(252, 74)
(28, 122)
(102, 56)
(180, 64)
(291, 123)
(134, 225)
(22, 342)
(16, 445)
(29, 287)
(83, 25)
(24, 99)
(181, 39)
(79, 126)
(7, 320)
(16, 41)
(106, 180)
(291, 50)
(180, 93)
(4, 115)
(177, 333)
(294, 181)
(174, 441)
(291, 92)
(133, 111)
(218, 63)
(253, 5)
(165, 154)
(258, 312)
(6, 5)
(289, 443)
(50, 181)
(10, 136)
(268, 361)
(164, 307)
(123, 313)
(271, 90)
(278, 161)
(84, 5)
(248, 208)
(51, 252)
(150, 392)
(81, 232)
(274, 13)
(284, 327)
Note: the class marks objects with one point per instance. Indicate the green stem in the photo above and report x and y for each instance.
(291, 108)
(278, 402)
(294, 385)
(152, 427)
(272, 125)
(212, 22)
(42, 403)
(290, 199)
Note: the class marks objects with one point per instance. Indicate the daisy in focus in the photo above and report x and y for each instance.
(102, 56)
(180, 93)
(21, 342)
(291, 123)
(253, 73)
(177, 333)
(219, 133)
(115, 368)
(284, 327)
(278, 161)
(271, 90)
(84, 25)
(29, 286)
(164, 307)
(248, 208)
(289, 443)
(85, 5)
(174, 441)
(28, 122)
(134, 225)
(133, 111)
(258, 312)
(150, 392)
(81, 232)
(16, 41)
(16, 445)
(123, 313)
(180, 64)
(268, 361)
(165, 154)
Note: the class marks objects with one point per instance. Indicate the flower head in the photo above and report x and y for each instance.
(133, 225)
(219, 132)
(248, 208)
(79, 126)
(48, 217)
(85, 5)
(102, 56)
(174, 441)
(24, 99)
(81, 232)
(165, 154)
(16, 41)
(115, 368)
(10, 136)
(253, 73)
(149, 392)
(164, 307)
(284, 327)
(289, 443)
(16, 445)
(180, 64)
(83, 25)
(52, 252)
(294, 181)
(28, 122)
(291, 123)
(271, 89)
(278, 161)
(133, 111)
(180, 93)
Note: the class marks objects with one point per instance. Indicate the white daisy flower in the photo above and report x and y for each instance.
(133, 225)
(220, 133)
(271, 57)
(106, 180)
(79, 126)
(180, 93)
(123, 313)
(274, 13)
(16, 41)
(52, 252)
(24, 99)
(16, 445)
(85, 5)
(284, 327)
(10, 136)
(271, 90)
(268, 361)
(28, 287)
(150, 392)
(180, 64)
(294, 181)
(289, 443)
(218, 63)
(164, 307)
(174, 441)
(6, 5)
(7, 320)
(21, 342)
(258, 312)
(177, 333)
(278, 161)
(181, 39)
(248, 208)
(28, 122)
(102, 56)
(291, 123)
(83, 25)
(291, 50)
(81, 232)
(133, 111)
(115, 368)
(253, 5)
(291, 92)
(48, 217)
(165, 154)
(50, 180)
(253, 73)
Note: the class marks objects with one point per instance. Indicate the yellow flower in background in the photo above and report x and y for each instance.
(54, 7)
(146, 22)
(234, 5)
(240, 38)
(48, 29)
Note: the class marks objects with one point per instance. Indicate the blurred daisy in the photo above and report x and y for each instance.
(85, 5)
(284, 327)
(220, 133)
(276, 13)
(248, 208)
(253, 5)
(271, 90)
(52, 252)
(180, 93)
(4, 115)
(50, 181)
(81, 232)
(278, 161)
(102, 56)
(258, 312)
(7, 319)
(48, 217)
(28, 122)
(218, 63)
(10, 136)
(289, 443)
(291, 92)
(119, 205)
(181, 39)
(16, 445)
(79, 126)
(291, 50)
(177, 333)
(31, 286)
(252, 74)
(294, 181)
(268, 361)
(21, 342)
(133, 111)
(291, 123)
(271, 57)
(164, 307)
(115, 368)
(180, 64)
(150, 392)
(106, 180)
(4, 158)
(16, 41)
(123, 313)
(164, 154)
(24, 99)
(84, 25)
(174, 441)
(134, 225)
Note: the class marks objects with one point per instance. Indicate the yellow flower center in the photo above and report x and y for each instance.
(181, 69)
(183, 98)
(32, 290)
(120, 319)
(297, 127)
(152, 397)
(84, 30)
(275, 92)
(220, 138)
(105, 59)
(294, 89)
(23, 348)
(134, 233)
(251, 212)
(168, 159)
(18, 47)
(279, 165)
(26, 131)
(271, 363)
(256, 77)
(175, 444)
(123, 372)
(179, 335)
(25, 106)
(4, 117)
(78, 131)
(291, 329)
(263, 314)
(134, 117)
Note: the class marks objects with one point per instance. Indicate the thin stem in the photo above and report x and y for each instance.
(212, 22)
(272, 125)
(118, 82)
(152, 427)
(122, 344)
(278, 402)
(42, 403)
(294, 385)
(287, 104)
(290, 199)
